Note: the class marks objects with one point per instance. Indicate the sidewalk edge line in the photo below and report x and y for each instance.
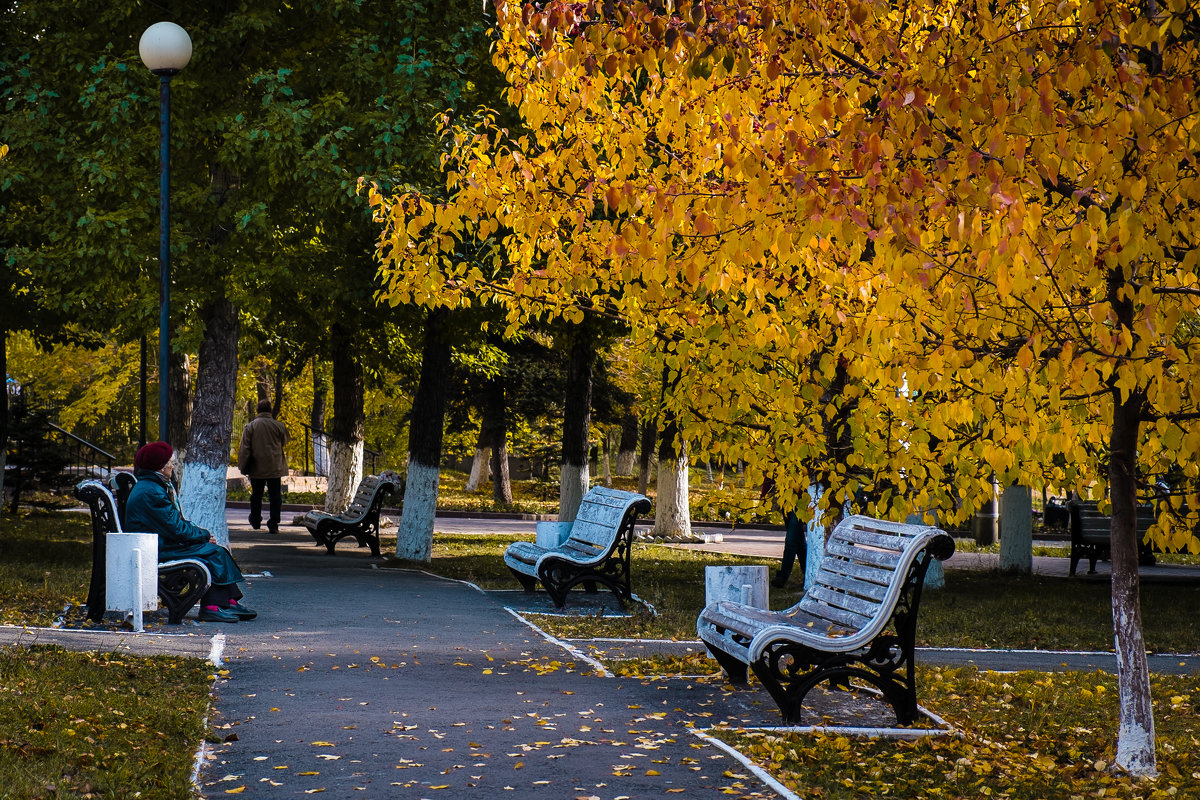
(596, 665)
(758, 771)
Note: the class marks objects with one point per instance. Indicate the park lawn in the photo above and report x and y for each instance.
(99, 725)
(45, 565)
(975, 609)
(1024, 736)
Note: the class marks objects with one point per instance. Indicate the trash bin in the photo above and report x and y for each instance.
(131, 574)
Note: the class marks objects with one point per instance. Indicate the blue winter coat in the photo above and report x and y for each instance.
(152, 507)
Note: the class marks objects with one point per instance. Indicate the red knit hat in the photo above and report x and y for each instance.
(153, 456)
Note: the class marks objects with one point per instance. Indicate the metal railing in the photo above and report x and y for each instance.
(56, 461)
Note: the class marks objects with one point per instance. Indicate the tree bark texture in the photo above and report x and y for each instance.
(495, 430)
(672, 517)
(479, 464)
(3, 414)
(179, 395)
(346, 428)
(414, 538)
(1135, 732)
(577, 420)
(627, 449)
(205, 467)
(649, 439)
(1016, 530)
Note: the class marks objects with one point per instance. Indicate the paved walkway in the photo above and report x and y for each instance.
(398, 683)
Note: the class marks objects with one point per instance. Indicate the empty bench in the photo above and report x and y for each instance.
(360, 520)
(597, 550)
(181, 583)
(1091, 536)
(856, 621)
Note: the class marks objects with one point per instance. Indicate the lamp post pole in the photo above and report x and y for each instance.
(166, 49)
(164, 249)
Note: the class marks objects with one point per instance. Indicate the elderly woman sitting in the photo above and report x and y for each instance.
(153, 507)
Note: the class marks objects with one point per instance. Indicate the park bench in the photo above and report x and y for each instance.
(857, 620)
(1091, 536)
(360, 520)
(597, 550)
(181, 583)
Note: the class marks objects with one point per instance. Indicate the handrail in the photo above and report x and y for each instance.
(83, 442)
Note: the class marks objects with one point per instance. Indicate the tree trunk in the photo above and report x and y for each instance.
(320, 442)
(479, 464)
(179, 395)
(649, 438)
(577, 420)
(495, 417)
(604, 451)
(205, 467)
(277, 406)
(1135, 734)
(346, 429)
(414, 539)
(262, 380)
(627, 449)
(3, 416)
(672, 517)
(1016, 530)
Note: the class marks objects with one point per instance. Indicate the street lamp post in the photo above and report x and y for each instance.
(165, 49)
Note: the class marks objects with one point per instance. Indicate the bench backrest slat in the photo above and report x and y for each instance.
(598, 520)
(846, 610)
(872, 590)
(843, 569)
(880, 558)
(857, 585)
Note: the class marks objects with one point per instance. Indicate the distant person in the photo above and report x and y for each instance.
(153, 507)
(261, 459)
(795, 541)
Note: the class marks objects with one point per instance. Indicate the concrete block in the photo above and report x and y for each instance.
(746, 585)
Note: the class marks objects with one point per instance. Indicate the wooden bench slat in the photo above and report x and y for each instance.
(834, 569)
(854, 612)
(859, 554)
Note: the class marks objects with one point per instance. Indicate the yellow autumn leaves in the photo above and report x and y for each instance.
(930, 216)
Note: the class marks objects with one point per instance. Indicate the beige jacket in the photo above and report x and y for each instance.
(262, 448)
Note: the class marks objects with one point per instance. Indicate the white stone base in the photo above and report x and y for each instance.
(746, 585)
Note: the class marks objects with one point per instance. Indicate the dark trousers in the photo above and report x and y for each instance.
(220, 594)
(274, 487)
(795, 546)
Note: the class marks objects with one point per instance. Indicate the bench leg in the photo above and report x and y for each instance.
(528, 583)
(734, 668)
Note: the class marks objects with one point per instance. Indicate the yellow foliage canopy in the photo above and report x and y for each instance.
(886, 248)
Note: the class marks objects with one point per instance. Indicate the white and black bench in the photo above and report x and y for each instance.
(597, 550)
(360, 520)
(181, 583)
(856, 621)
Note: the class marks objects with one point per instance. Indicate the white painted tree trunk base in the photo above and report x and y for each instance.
(479, 468)
(672, 517)
(414, 537)
(576, 480)
(1016, 530)
(202, 499)
(345, 473)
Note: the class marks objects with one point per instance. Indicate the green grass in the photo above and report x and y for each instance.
(45, 565)
(975, 609)
(76, 725)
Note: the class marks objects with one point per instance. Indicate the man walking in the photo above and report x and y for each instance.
(261, 459)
